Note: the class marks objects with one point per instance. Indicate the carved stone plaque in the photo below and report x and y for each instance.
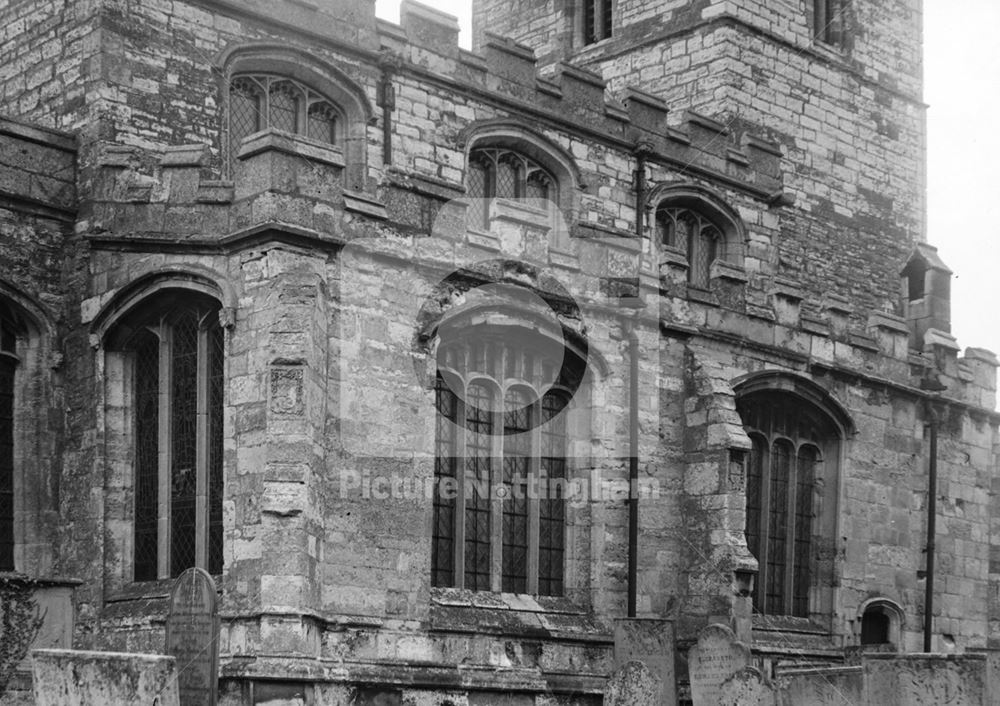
(713, 660)
(193, 637)
(286, 391)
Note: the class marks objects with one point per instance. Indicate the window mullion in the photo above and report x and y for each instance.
(495, 500)
(765, 526)
(791, 505)
(165, 452)
(535, 489)
(462, 454)
(201, 453)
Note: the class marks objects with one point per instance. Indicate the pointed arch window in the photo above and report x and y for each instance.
(260, 101)
(699, 238)
(177, 352)
(506, 174)
(499, 508)
(791, 445)
(8, 366)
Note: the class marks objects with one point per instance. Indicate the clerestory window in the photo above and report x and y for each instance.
(500, 469)
(177, 351)
(699, 238)
(505, 174)
(264, 101)
(791, 443)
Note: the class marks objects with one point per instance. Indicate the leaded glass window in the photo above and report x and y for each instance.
(502, 528)
(788, 441)
(261, 101)
(698, 237)
(177, 357)
(506, 174)
(8, 366)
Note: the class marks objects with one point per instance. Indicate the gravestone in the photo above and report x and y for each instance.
(830, 686)
(650, 641)
(81, 678)
(925, 680)
(716, 657)
(747, 688)
(633, 685)
(193, 637)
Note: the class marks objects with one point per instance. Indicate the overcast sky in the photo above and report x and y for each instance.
(962, 87)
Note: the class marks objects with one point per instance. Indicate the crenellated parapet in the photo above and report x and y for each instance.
(506, 72)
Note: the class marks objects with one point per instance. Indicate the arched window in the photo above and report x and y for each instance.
(260, 101)
(874, 628)
(499, 510)
(175, 349)
(696, 229)
(698, 237)
(793, 456)
(499, 172)
(8, 366)
(881, 621)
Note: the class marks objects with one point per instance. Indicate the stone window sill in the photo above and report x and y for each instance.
(287, 143)
(520, 212)
(513, 614)
(150, 590)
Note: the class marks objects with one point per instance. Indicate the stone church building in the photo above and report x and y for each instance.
(464, 373)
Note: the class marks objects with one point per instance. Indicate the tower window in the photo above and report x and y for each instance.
(828, 20)
(597, 20)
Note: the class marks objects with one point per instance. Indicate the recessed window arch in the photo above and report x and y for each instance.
(273, 86)
(505, 173)
(259, 101)
(171, 350)
(692, 223)
(880, 622)
(792, 477)
(501, 468)
(509, 160)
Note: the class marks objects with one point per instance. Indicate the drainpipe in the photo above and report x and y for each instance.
(633, 469)
(641, 150)
(932, 418)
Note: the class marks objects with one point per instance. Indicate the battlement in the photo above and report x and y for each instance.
(426, 41)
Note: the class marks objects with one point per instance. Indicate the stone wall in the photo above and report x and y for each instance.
(321, 258)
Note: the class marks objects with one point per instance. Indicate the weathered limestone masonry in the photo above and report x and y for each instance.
(330, 267)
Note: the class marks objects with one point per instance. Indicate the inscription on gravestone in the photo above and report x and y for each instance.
(716, 657)
(193, 637)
